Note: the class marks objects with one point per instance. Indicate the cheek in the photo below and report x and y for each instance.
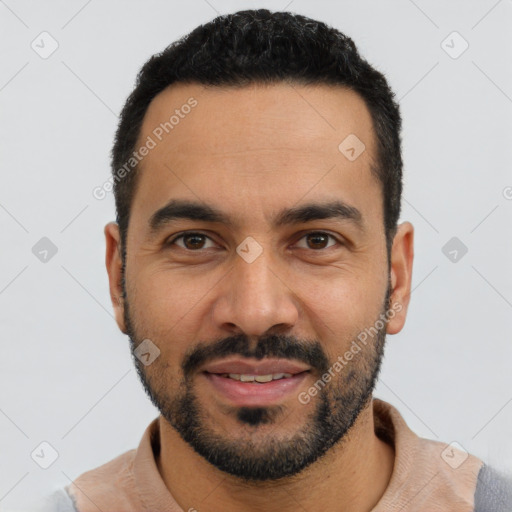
(346, 298)
(166, 296)
(340, 309)
(171, 307)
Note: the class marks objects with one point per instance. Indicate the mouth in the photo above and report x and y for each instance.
(243, 382)
(256, 378)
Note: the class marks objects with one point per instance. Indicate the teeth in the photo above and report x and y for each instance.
(257, 378)
(263, 378)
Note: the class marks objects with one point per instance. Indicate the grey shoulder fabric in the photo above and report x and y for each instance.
(59, 501)
(493, 491)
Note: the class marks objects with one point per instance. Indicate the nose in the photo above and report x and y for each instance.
(255, 300)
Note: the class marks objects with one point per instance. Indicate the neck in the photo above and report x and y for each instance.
(352, 476)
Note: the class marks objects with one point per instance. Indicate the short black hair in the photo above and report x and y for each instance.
(260, 46)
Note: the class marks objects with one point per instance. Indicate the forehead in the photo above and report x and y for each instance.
(257, 148)
(276, 114)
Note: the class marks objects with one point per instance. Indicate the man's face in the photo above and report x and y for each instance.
(267, 289)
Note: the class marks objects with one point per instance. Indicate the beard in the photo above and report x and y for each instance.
(269, 457)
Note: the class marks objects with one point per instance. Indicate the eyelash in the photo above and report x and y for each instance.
(185, 233)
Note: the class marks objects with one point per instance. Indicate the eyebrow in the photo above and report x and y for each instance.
(197, 211)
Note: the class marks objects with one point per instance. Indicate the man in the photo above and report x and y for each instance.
(256, 266)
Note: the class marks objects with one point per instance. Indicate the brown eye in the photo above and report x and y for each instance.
(317, 240)
(191, 241)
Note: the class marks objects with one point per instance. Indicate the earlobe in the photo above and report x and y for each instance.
(402, 256)
(114, 265)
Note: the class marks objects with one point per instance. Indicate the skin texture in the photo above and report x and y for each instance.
(251, 152)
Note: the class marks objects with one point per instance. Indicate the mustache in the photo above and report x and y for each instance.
(278, 346)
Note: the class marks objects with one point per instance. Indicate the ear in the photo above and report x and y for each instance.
(402, 255)
(114, 264)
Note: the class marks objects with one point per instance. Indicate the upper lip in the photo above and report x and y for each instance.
(251, 367)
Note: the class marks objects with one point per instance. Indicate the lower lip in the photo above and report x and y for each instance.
(253, 393)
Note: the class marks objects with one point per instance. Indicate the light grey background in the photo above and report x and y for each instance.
(66, 376)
